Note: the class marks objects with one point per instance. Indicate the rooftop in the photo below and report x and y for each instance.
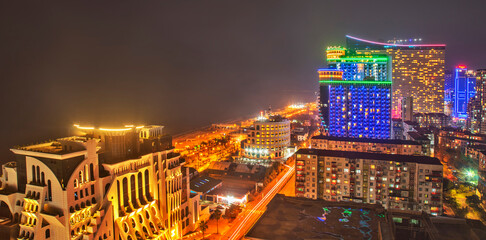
(51, 147)
(417, 136)
(430, 114)
(411, 123)
(354, 42)
(273, 118)
(370, 140)
(204, 184)
(298, 218)
(372, 156)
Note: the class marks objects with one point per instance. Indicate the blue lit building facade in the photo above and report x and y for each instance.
(464, 90)
(448, 92)
(355, 95)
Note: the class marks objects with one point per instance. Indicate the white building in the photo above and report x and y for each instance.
(268, 138)
(109, 184)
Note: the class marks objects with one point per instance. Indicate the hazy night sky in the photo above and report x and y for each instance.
(188, 64)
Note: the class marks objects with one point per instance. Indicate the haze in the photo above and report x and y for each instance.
(187, 64)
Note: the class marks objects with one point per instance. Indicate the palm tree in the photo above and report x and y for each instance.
(217, 215)
(203, 225)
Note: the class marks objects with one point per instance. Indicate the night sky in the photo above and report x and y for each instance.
(188, 64)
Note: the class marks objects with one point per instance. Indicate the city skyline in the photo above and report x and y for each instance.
(243, 120)
(129, 63)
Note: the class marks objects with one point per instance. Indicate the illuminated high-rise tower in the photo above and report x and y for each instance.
(448, 92)
(464, 84)
(476, 108)
(418, 71)
(355, 95)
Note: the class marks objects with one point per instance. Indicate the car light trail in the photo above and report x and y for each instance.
(254, 212)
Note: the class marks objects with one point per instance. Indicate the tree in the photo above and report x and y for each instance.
(217, 215)
(232, 211)
(203, 225)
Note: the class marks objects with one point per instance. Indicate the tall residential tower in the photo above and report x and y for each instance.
(418, 71)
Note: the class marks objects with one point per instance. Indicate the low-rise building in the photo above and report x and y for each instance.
(397, 129)
(424, 140)
(395, 181)
(457, 139)
(437, 120)
(481, 188)
(391, 146)
(268, 138)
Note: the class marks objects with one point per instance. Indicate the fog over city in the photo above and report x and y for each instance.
(187, 64)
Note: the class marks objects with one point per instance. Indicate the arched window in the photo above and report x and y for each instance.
(49, 190)
(38, 175)
(147, 185)
(81, 177)
(125, 192)
(43, 180)
(33, 173)
(140, 186)
(75, 183)
(86, 172)
(133, 189)
(48, 233)
(118, 192)
(91, 172)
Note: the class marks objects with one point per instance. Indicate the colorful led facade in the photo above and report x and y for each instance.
(417, 69)
(448, 92)
(355, 96)
(464, 90)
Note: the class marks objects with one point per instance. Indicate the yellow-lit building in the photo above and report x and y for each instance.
(124, 183)
(417, 71)
(268, 138)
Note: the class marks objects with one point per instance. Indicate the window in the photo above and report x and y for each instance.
(133, 189)
(92, 189)
(91, 172)
(81, 177)
(48, 233)
(75, 195)
(49, 190)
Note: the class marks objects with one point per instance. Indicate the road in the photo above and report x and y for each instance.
(250, 216)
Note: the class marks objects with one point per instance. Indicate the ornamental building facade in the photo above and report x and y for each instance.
(122, 183)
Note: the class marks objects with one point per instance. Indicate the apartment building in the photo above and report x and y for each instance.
(391, 146)
(405, 182)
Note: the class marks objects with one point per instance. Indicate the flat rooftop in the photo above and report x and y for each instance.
(371, 156)
(299, 218)
(52, 147)
(459, 229)
(369, 140)
(204, 184)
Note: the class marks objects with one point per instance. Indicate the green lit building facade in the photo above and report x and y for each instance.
(355, 95)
